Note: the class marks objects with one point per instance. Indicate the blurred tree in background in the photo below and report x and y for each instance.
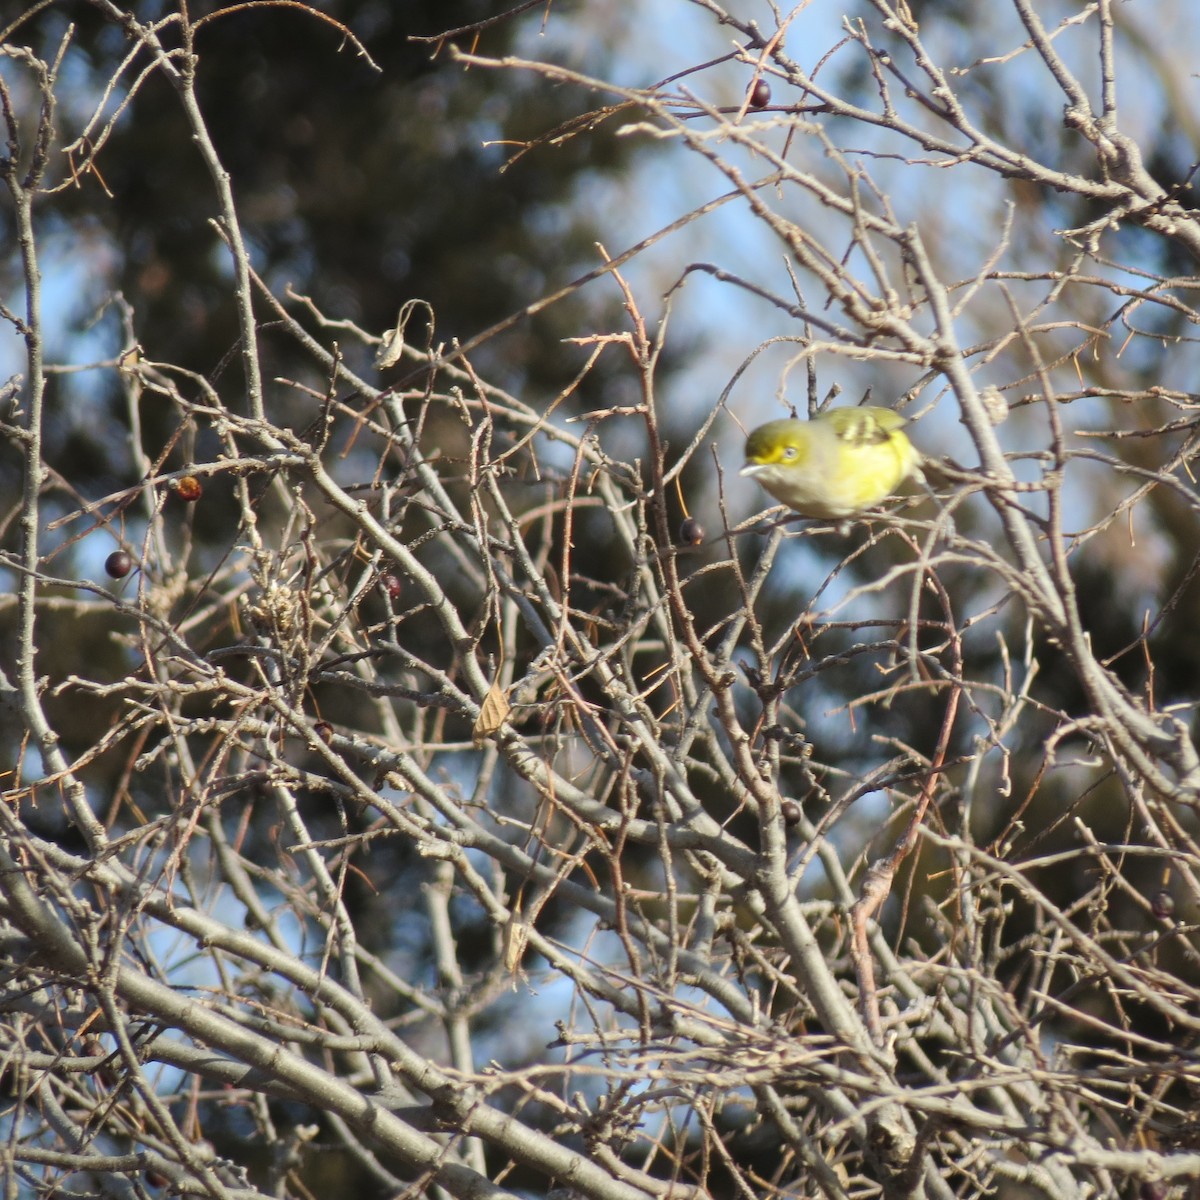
(427, 770)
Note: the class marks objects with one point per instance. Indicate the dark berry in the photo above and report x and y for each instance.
(324, 731)
(118, 564)
(791, 812)
(393, 585)
(1162, 905)
(760, 94)
(691, 532)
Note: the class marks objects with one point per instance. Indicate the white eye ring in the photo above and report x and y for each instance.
(789, 452)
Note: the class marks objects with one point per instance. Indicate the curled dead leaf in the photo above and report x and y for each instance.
(492, 712)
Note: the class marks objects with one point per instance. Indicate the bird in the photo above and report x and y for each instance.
(838, 464)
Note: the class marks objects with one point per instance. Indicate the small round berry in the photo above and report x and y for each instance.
(792, 812)
(188, 488)
(1162, 905)
(691, 532)
(324, 731)
(118, 564)
(393, 585)
(760, 93)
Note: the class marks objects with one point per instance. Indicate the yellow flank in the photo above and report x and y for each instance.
(842, 462)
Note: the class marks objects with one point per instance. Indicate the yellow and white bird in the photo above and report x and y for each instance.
(838, 464)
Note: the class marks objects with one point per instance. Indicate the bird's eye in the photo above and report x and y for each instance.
(789, 452)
